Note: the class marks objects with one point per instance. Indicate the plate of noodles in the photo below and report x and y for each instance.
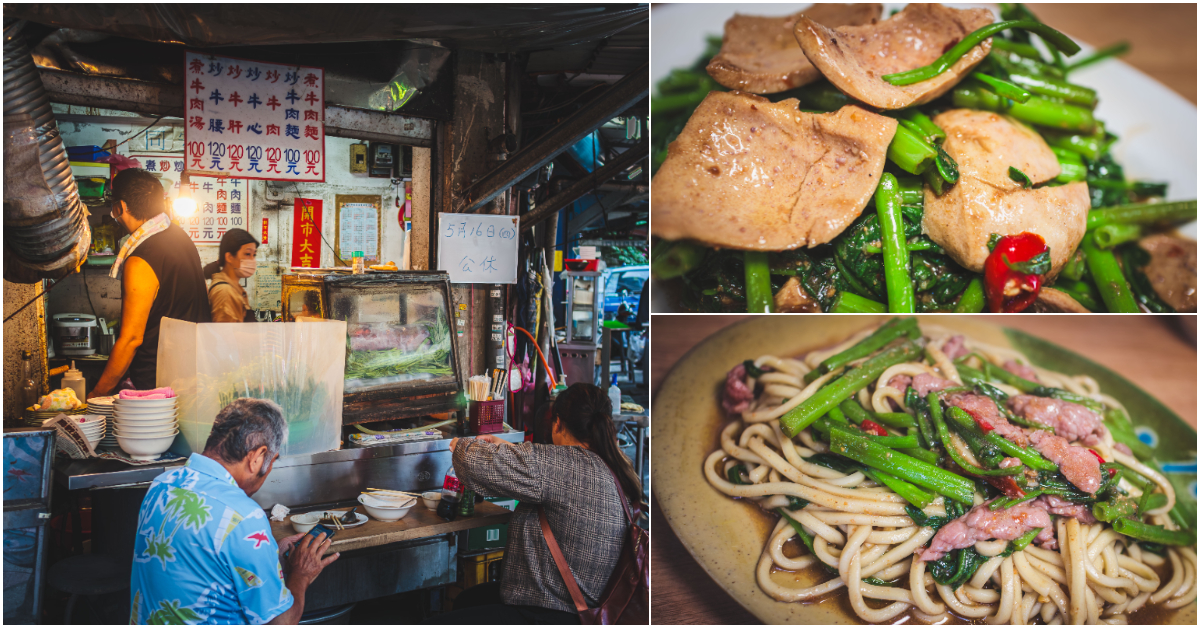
(793, 455)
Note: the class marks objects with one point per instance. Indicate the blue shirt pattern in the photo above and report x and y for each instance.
(204, 553)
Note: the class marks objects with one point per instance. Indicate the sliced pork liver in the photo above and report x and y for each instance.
(981, 524)
(1172, 270)
(854, 57)
(761, 54)
(746, 173)
(1057, 302)
(986, 201)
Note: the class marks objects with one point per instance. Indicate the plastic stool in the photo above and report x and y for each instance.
(87, 575)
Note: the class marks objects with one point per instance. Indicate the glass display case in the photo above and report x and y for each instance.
(585, 305)
(401, 358)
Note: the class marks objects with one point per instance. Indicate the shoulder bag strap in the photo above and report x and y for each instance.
(560, 560)
(621, 495)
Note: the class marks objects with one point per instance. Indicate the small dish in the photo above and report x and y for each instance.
(302, 523)
(431, 499)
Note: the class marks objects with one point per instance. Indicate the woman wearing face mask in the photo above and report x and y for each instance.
(235, 262)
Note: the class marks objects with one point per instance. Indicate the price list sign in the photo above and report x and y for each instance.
(253, 120)
(221, 204)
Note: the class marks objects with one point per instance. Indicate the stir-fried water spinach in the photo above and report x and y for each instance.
(849, 274)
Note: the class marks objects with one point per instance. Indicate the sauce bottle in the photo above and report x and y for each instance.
(74, 380)
(452, 489)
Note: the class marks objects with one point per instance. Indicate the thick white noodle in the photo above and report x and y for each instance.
(861, 529)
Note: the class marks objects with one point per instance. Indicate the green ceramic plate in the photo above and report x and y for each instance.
(726, 537)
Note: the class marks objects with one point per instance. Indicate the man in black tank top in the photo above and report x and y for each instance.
(160, 277)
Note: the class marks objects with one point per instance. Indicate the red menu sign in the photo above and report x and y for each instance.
(306, 236)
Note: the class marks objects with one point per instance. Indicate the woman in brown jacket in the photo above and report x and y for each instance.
(571, 480)
(235, 262)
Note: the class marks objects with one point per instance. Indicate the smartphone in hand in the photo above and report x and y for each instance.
(314, 532)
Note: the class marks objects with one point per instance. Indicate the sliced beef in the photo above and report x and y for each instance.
(746, 173)
(986, 201)
(1046, 539)
(1123, 448)
(900, 382)
(854, 57)
(1021, 370)
(761, 54)
(1069, 420)
(984, 409)
(1055, 505)
(793, 299)
(1172, 270)
(1052, 301)
(981, 524)
(955, 347)
(737, 395)
(1077, 464)
(925, 383)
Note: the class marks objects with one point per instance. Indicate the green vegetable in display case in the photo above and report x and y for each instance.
(431, 356)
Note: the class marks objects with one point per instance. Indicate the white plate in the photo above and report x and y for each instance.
(361, 518)
(1157, 127)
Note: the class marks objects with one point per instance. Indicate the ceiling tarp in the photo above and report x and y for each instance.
(484, 27)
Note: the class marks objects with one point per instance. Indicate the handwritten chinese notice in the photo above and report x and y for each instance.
(254, 120)
(478, 248)
(306, 236)
(358, 230)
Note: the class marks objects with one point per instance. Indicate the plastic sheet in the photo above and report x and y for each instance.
(300, 366)
(488, 28)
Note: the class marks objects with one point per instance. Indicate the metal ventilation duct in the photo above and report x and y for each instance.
(45, 222)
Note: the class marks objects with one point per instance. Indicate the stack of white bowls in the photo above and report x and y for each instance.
(103, 406)
(145, 428)
(92, 427)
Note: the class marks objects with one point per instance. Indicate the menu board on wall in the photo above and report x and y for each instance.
(358, 223)
(254, 120)
(221, 204)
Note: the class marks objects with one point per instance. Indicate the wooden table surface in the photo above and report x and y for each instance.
(420, 522)
(1150, 351)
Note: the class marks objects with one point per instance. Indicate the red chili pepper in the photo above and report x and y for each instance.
(874, 428)
(982, 423)
(1006, 484)
(1014, 271)
(1097, 455)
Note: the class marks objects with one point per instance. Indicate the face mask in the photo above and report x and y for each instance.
(246, 268)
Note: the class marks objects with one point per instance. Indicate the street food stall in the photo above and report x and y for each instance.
(407, 211)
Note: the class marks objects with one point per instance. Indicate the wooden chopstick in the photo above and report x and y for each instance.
(385, 491)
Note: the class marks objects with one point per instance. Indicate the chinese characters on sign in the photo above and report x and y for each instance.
(478, 248)
(358, 230)
(221, 205)
(254, 120)
(306, 235)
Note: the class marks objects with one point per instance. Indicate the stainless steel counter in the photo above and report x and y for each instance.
(323, 478)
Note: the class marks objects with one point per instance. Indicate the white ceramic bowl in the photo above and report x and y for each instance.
(431, 499)
(146, 403)
(304, 522)
(139, 411)
(170, 420)
(147, 420)
(145, 429)
(145, 448)
(169, 431)
(385, 509)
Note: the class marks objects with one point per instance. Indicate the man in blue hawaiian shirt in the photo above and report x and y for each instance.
(204, 553)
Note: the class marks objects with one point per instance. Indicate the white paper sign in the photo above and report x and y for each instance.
(478, 248)
(254, 120)
(221, 204)
(358, 230)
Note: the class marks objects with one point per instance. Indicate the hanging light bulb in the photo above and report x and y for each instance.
(184, 204)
